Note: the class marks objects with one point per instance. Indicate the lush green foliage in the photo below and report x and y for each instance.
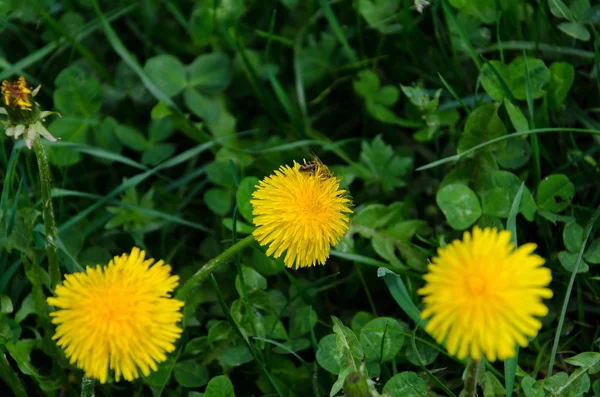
(173, 110)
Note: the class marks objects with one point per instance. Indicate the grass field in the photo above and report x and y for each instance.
(362, 198)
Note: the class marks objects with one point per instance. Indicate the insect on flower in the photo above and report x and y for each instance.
(313, 167)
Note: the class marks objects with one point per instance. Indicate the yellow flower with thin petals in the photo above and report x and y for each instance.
(483, 297)
(300, 210)
(120, 317)
(17, 94)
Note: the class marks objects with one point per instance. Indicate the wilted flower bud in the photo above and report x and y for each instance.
(24, 115)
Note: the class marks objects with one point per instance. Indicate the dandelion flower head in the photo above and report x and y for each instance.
(483, 297)
(120, 317)
(24, 115)
(300, 210)
(16, 94)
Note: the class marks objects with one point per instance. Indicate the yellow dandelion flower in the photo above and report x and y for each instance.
(119, 317)
(16, 94)
(482, 297)
(300, 209)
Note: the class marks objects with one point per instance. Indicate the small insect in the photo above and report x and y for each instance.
(315, 166)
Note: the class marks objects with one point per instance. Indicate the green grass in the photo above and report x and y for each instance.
(172, 110)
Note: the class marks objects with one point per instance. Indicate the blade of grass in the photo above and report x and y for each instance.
(235, 326)
(57, 192)
(465, 40)
(287, 349)
(535, 145)
(130, 60)
(563, 312)
(335, 26)
(57, 46)
(458, 157)
(532, 46)
(87, 54)
(453, 93)
(422, 363)
(400, 294)
(134, 181)
(510, 365)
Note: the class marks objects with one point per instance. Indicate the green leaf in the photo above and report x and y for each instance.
(348, 345)
(492, 386)
(367, 84)
(555, 193)
(573, 237)
(562, 77)
(167, 73)
(328, 355)
(244, 195)
(405, 384)
(382, 165)
(68, 130)
(426, 354)
(517, 118)
(497, 191)
(303, 320)
(589, 361)
(592, 253)
(420, 98)
(156, 153)
(201, 105)
(514, 154)
(575, 30)
(218, 200)
(190, 374)
(27, 308)
(253, 281)
(77, 94)
(210, 73)
(131, 138)
(539, 76)
(220, 173)
(381, 15)
(560, 10)
(568, 261)
(482, 125)
(219, 386)
(266, 264)
(492, 76)
(6, 305)
(241, 227)
(318, 59)
(160, 130)
(382, 338)
(532, 388)
(459, 204)
(219, 330)
(359, 320)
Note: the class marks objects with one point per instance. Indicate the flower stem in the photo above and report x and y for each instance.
(470, 378)
(87, 387)
(211, 266)
(48, 211)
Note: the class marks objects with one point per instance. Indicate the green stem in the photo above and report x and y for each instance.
(206, 270)
(48, 211)
(470, 378)
(87, 387)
